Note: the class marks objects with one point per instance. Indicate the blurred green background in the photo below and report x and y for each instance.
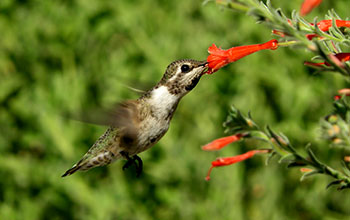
(68, 56)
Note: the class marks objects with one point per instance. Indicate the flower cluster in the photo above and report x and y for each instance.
(329, 40)
(279, 145)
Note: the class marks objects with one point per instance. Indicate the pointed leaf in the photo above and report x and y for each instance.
(308, 174)
(271, 155)
(312, 155)
(286, 158)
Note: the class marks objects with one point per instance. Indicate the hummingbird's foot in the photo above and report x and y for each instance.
(129, 161)
(132, 161)
(128, 164)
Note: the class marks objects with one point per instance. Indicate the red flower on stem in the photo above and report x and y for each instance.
(224, 161)
(324, 25)
(338, 59)
(308, 5)
(337, 97)
(312, 36)
(219, 58)
(217, 144)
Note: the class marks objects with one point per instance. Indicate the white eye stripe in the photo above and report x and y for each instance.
(176, 75)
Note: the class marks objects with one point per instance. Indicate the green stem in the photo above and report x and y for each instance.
(337, 175)
(288, 43)
(233, 5)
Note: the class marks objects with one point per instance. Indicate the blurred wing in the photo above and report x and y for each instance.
(123, 115)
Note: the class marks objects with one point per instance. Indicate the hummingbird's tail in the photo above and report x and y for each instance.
(72, 170)
(88, 161)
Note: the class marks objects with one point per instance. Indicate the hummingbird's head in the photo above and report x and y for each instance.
(182, 76)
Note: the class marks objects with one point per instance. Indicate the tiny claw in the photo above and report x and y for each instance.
(128, 164)
(139, 167)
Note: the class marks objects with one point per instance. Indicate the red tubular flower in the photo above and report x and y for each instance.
(308, 5)
(224, 161)
(219, 58)
(279, 33)
(221, 142)
(324, 25)
(338, 58)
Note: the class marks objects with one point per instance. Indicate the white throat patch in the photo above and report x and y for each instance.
(162, 100)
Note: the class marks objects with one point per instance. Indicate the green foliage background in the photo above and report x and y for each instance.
(58, 56)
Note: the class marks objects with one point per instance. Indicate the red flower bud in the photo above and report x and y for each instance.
(221, 142)
(311, 36)
(224, 161)
(305, 170)
(279, 33)
(219, 58)
(337, 97)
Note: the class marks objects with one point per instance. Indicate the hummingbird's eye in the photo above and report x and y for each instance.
(185, 68)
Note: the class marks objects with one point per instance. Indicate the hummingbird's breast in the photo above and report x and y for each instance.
(152, 131)
(161, 106)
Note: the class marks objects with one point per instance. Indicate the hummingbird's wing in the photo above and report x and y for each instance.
(123, 120)
(121, 115)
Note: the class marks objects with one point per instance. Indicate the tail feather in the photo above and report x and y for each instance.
(71, 170)
(87, 162)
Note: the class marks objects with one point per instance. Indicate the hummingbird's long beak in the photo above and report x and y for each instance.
(203, 63)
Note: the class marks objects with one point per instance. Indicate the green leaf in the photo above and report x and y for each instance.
(312, 155)
(308, 174)
(271, 155)
(286, 158)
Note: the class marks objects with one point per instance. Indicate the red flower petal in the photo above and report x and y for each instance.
(308, 5)
(343, 57)
(224, 161)
(219, 58)
(221, 142)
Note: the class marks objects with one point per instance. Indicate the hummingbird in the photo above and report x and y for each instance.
(137, 125)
